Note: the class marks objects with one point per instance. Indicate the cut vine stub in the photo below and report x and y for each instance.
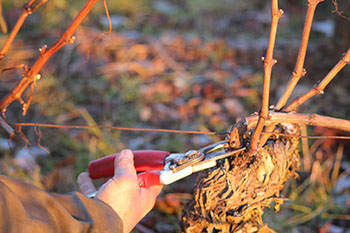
(231, 197)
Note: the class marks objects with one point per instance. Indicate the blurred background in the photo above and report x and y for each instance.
(187, 64)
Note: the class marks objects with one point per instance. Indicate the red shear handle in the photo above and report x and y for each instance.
(144, 160)
(148, 178)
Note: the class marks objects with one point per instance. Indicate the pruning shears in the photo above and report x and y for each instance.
(161, 167)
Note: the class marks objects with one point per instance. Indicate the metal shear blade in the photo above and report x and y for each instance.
(179, 162)
(194, 157)
(213, 147)
(169, 175)
(211, 158)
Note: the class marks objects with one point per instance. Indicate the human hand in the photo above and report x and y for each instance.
(122, 191)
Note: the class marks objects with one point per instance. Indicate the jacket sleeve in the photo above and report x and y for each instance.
(25, 208)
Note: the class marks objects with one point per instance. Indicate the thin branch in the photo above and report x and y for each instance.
(319, 88)
(6, 126)
(269, 62)
(28, 9)
(305, 119)
(337, 163)
(299, 70)
(337, 11)
(3, 25)
(38, 5)
(108, 17)
(268, 132)
(305, 148)
(32, 75)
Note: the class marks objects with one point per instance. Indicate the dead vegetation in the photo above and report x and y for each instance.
(231, 197)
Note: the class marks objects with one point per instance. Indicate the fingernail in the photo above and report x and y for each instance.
(126, 157)
(82, 177)
(127, 153)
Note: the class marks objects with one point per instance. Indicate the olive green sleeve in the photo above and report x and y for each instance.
(25, 208)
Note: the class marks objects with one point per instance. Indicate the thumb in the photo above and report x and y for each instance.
(124, 164)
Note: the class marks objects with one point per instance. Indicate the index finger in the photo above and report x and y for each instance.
(85, 184)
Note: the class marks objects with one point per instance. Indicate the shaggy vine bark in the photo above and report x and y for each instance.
(232, 196)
